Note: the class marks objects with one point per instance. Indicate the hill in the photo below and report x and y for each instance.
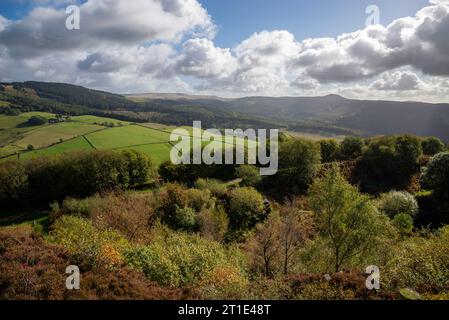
(327, 116)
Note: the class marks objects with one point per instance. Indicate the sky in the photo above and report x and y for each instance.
(232, 47)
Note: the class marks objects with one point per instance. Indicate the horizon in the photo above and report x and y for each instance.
(363, 50)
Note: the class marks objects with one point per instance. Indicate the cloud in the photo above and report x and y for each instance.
(398, 80)
(201, 59)
(305, 84)
(105, 23)
(419, 42)
(145, 45)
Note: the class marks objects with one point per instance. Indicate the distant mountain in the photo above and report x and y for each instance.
(333, 112)
(330, 114)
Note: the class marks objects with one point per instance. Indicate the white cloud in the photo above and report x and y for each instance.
(145, 45)
(200, 58)
(399, 80)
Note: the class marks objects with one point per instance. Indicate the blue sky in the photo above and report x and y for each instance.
(233, 47)
(238, 19)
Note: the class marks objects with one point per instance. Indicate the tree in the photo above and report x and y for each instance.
(388, 163)
(265, 246)
(330, 150)
(347, 220)
(275, 243)
(431, 146)
(436, 176)
(36, 121)
(246, 209)
(296, 227)
(299, 162)
(352, 148)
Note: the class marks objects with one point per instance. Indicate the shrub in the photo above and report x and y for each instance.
(404, 223)
(250, 175)
(224, 283)
(213, 223)
(130, 214)
(330, 151)
(84, 242)
(397, 202)
(217, 188)
(351, 148)
(421, 264)
(432, 146)
(176, 259)
(32, 269)
(174, 210)
(246, 209)
(36, 121)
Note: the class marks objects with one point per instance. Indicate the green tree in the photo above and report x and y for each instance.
(348, 221)
(250, 175)
(436, 176)
(37, 121)
(330, 150)
(299, 162)
(352, 148)
(431, 146)
(246, 209)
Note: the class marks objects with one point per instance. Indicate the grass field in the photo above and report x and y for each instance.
(87, 133)
(98, 120)
(49, 135)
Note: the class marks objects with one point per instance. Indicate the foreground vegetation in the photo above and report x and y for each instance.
(142, 231)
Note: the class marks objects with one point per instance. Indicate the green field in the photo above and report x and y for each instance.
(49, 135)
(98, 120)
(86, 133)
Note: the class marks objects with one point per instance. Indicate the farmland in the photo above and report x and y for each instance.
(83, 133)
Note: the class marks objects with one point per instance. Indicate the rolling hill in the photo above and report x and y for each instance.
(328, 115)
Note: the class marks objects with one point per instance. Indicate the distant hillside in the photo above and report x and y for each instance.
(339, 115)
(333, 114)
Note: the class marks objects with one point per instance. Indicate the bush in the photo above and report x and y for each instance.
(394, 203)
(250, 175)
(213, 224)
(436, 176)
(176, 259)
(86, 244)
(421, 264)
(431, 146)
(36, 121)
(404, 223)
(217, 188)
(246, 209)
(33, 269)
(351, 148)
(330, 151)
